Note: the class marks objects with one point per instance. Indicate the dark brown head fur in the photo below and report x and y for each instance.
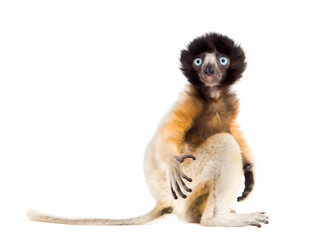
(213, 43)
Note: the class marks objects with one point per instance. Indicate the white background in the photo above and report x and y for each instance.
(84, 84)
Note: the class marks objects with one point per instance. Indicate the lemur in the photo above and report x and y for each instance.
(195, 162)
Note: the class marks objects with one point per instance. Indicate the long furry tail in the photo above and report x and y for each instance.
(155, 213)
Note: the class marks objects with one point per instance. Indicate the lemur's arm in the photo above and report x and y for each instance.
(170, 139)
(247, 160)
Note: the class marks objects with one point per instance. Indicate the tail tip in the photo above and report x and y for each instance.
(33, 214)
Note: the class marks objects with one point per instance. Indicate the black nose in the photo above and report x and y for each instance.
(208, 70)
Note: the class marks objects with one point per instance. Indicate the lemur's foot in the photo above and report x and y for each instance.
(238, 220)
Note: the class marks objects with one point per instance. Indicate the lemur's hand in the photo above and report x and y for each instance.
(249, 181)
(175, 175)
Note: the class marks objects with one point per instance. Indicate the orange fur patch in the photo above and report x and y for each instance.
(237, 134)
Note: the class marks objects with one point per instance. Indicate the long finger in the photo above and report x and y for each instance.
(186, 177)
(181, 158)
(189, 156)
(173, 193)
(178, 190)
(179, 179)
(257, 224)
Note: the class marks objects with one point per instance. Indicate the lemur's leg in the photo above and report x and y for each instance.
(218, 179)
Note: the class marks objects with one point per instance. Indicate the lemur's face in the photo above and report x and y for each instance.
(211, 67)
(212, 61)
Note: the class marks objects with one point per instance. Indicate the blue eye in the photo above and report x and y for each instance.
(198, 62)
(223, 61)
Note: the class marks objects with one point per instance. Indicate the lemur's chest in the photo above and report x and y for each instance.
(213, 119)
